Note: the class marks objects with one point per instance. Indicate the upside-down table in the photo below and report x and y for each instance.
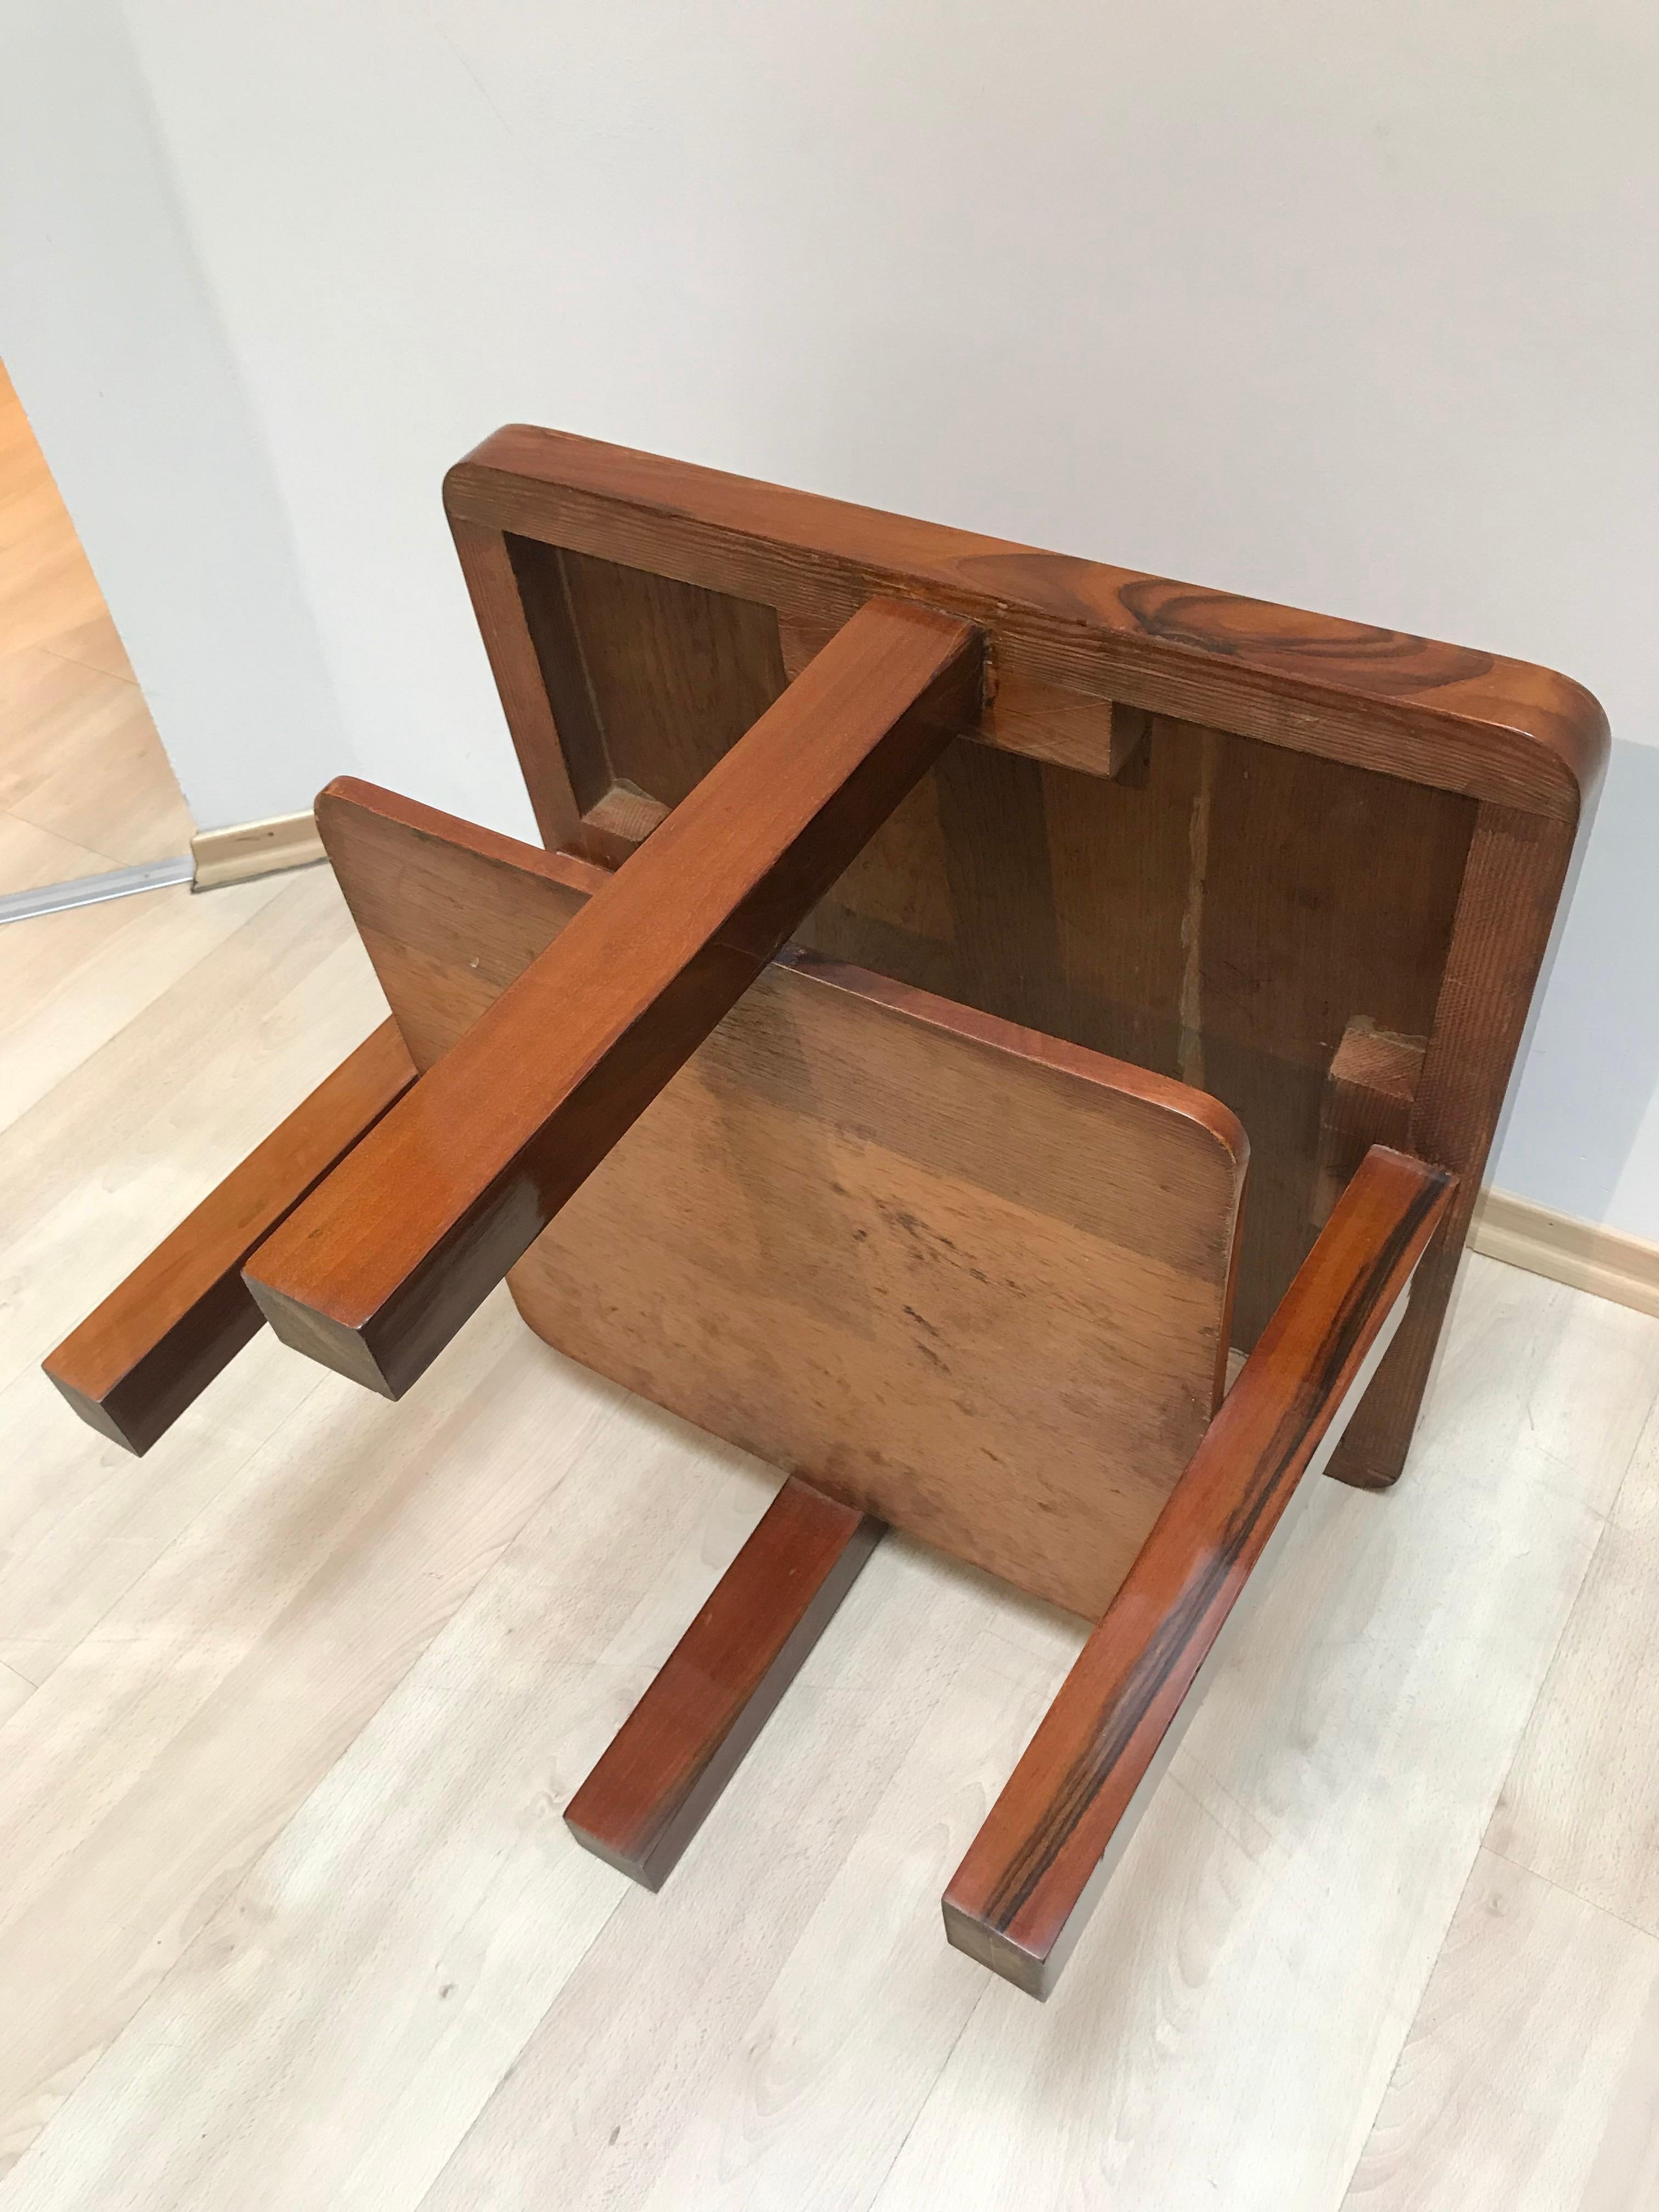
(927, 934)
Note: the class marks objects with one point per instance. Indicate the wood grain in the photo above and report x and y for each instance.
(1019, 1899)
(1527, 2082)
(1507, 909)
(377, 1271)
(158, 1340)
(1370, 1094)
(1381, 699)
(820, 1242)
(503, 623)
(1189, 829)
(663, 1772)
(1578, 1807)
(1023, 715)
(423, 1992)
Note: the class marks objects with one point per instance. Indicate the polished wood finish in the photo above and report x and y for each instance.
(668, 1763)
(1190, 830)
(888, 1242)
(292, 1919)
(161, 1336)
(1018, 1900)
(1380, 699)
(375, 1273)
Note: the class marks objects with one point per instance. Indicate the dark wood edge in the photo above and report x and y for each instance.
(586, 877)
(659, 1778)
(1020, 1897)
(154, 1345)
(1496, 729)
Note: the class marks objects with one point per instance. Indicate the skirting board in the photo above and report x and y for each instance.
(254, 848)
(1623, 1268)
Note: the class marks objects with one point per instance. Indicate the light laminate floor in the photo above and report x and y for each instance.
(288, 1921)
(84, 784)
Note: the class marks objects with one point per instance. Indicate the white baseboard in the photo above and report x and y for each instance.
(1623, 1268)
(254, 848)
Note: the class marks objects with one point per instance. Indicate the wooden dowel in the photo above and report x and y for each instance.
(658, 1780)
(382, 1265)
(159, 1338)
(1020, 1897)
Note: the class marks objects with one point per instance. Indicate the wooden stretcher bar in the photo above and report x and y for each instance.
(668, 1763)
(376, 1272)
(1021, 1897)
(162, 1335)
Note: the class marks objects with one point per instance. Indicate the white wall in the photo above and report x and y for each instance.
(111, 333)
(1354, 306)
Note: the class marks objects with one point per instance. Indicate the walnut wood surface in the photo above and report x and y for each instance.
(161, 1336)
(1018, 1901)
(376, 1272)
(665, 1766)
(1383, 699)
(897, 1246)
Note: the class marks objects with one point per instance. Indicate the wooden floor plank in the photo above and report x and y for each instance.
(1527, 2083)
(85, 784)
(389, 1955)
(1227, 2026)
(179, 1736)
(14, 1689)
(640, 2039)
(821, 2085)
(79, 756)
(74, 980)
(1580, 1806)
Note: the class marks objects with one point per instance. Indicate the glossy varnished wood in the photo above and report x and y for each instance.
(667, 1765)
(161, 1336)
(895, 1245)
(1018, 1900)
(1191, 831)
(1383, 699)
(374, 1275)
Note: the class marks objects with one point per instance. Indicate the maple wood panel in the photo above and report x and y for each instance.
(966, 1279)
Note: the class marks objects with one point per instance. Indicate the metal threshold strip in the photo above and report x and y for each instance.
(88, 890)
